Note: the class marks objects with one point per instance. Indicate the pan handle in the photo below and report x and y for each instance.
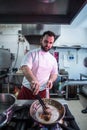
(3, 119)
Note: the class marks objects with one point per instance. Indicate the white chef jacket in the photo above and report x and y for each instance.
(42, 64)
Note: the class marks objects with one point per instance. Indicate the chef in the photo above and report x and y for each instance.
(40, 69)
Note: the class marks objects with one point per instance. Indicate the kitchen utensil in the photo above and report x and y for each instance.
(41, 102)
(58, 111)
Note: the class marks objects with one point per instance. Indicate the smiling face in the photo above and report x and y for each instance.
(47, 42)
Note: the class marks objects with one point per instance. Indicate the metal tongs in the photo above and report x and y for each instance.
(42, 103)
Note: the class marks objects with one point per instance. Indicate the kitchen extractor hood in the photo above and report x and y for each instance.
(38, 29)
(40, 11)
(33, 32)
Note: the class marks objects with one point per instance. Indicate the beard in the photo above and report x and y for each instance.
(44, 48)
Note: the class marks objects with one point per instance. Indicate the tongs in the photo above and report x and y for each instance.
(42, 103)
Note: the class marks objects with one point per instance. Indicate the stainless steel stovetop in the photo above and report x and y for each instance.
(21, 120)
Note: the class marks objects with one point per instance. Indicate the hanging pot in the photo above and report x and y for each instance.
(57, 110)
(85, 62)
(7, 102)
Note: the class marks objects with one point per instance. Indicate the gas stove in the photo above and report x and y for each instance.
(20, 119)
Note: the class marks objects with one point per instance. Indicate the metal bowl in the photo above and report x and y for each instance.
(7, 102)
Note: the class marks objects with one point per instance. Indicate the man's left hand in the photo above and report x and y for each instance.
(49, 84)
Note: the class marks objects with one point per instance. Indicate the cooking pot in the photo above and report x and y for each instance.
(85, 61)
(7, 102)
(57, 109)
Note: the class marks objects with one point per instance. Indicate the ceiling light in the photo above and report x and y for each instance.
(47, 1)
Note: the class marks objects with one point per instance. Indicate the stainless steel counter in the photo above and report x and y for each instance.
(75, 82)
(83, 76)
(72, 83)
(23, 102)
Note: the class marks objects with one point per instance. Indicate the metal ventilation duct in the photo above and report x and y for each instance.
(38, 29)
(33, 32)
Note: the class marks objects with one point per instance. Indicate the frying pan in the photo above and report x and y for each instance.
(7, 102)
(57, 109)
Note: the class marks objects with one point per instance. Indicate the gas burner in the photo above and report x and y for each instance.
(21, 120)
(41, 127)
(21, 113)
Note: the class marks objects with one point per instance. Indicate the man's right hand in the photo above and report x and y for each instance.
(35, 86)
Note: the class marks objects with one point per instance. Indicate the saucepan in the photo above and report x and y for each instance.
(7, 103)
(56, 108)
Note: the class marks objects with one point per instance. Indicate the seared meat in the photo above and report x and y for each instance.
(46, 115)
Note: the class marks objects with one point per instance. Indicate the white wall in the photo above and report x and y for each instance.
(9, 39)
(73, 66)
(72, 36)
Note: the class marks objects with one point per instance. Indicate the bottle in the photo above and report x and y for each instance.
(47, 92)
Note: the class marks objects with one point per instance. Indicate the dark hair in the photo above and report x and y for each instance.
(49, 33)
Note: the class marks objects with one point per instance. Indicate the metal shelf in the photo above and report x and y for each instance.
(77, 48)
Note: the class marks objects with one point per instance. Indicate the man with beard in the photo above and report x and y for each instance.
(40, 69)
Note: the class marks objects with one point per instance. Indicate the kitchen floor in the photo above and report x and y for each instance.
(76, 106)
